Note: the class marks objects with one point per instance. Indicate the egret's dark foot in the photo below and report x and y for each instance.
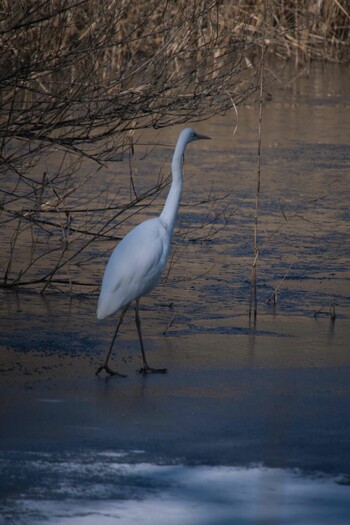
(108, 371)
(148, 370)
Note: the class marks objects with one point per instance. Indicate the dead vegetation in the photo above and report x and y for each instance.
(79, 78)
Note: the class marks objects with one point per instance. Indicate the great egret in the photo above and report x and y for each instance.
(137, 262)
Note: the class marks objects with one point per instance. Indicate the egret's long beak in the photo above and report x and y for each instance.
(203, 136)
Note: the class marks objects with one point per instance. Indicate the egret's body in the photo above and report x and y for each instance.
(133, 269)
(136, 264)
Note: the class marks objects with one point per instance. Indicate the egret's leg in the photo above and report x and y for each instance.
(145, 369)
(105, 365)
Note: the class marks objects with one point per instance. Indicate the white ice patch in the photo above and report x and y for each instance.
(124, 493)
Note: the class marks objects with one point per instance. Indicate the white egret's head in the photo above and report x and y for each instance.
(191, 135)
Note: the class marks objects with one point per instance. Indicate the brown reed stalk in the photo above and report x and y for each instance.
(253, 302)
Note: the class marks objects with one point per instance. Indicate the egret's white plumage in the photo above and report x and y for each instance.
(136, 264)
(133, 269)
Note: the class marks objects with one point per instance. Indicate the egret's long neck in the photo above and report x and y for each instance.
(169, 213)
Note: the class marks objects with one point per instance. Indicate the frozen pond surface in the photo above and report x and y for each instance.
(251, 425)
(107, 488)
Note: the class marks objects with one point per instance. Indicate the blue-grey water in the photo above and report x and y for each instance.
(251, 424)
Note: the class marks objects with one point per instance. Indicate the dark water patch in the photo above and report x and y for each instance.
(53, 343)
(223, 330)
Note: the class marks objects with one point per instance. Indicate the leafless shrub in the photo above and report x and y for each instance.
(77, 80)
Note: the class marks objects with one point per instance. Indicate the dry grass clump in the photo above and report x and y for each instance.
(300, 30)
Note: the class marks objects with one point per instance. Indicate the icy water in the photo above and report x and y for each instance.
(251, 424)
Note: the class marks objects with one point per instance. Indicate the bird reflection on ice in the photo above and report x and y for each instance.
(106, 489)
